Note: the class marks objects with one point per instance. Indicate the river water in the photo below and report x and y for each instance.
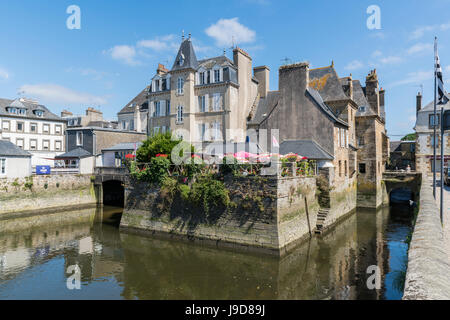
(34, 262)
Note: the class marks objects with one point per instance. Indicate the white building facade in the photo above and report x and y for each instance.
(33, 128)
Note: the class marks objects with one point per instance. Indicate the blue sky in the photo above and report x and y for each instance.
(116, 51)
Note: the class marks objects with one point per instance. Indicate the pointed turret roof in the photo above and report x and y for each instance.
(186, 58)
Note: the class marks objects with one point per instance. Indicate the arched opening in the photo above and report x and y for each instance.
(113, 193)
(401, 196)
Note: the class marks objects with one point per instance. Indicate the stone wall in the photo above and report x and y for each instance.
(45, 192)
(428, 264)
(266, 213)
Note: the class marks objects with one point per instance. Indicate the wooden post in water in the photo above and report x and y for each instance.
(307, 217)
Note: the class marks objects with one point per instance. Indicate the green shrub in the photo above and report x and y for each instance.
(208, 192)
(160, 143)
(156, 171)
(184, 191)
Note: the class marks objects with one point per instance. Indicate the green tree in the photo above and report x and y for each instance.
(409, 137)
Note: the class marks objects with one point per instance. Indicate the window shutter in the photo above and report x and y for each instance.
(197, 78)
(168, 82)
(206, 102)
(163, 108)
(221, 74)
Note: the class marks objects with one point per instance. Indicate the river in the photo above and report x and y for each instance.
(36, 252)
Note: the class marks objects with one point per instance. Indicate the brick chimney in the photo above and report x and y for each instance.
(161, 69)
(262, 74)
(372, 91)
(418, 102)
(94, 115)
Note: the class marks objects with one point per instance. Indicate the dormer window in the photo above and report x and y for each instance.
(362, 109)
(181, 59)
(39, 113)
(22, 112)
(12, 110)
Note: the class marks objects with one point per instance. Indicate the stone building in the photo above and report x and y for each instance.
(92, 118)
(32, 127)
(402, 155)
(371, 137)
(200, 100)
(424, 137)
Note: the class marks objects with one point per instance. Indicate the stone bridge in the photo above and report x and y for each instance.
(109, 185)
(399, 180)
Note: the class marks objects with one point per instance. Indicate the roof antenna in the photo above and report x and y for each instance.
(182, 35)
(286, 61)
(189, 36)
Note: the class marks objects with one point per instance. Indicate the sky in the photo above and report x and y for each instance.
(115, 52)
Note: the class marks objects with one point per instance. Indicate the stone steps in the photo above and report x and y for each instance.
(321, 217)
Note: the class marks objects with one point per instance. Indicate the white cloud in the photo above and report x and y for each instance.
(354, 65)
(4, 74)
(420, 48)
(391, 60)
(417, 77)
(162, 43)
(54, 93)
(225, 31)
(420, 31)
(376, 54)
(124, 53)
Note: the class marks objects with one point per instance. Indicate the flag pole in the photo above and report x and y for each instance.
(434, 120)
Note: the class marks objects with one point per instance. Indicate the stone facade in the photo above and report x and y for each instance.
(267, 214)
(47, 193)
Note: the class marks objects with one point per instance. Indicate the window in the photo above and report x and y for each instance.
(58, 129)
(156, 130)
(217, 133)
(19, 127)
(201, 131)
(33, 127)
(79, 138)
(340, 168)
(435, 140)
(33, 144)
(201, 78)
(131, 125)
(5, 125)
(12, 110)
(46, 144)
(360, 141)
(124, 125)
(217, 105)
(46, 128)
(168, 107)
(180, 88)
(202, 103)
(20, 143)
(39, 113)
(362, 168)
(22, 112)
(438, 165)
(362, 109)
(432, 122)
(156, 85)
(164, 84)
(2, 166)
(217, 75)
(58, 145)
(157, 108)
(180, 114)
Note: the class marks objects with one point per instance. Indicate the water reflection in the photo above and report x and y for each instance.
(117, 265)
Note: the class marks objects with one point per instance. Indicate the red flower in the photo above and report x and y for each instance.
(161, 155)
(130, 156)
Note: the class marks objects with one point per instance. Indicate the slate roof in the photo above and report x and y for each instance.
(430, 106)
(422, 119)
(359, 97)
(139, 100)
(220, 60)
(265, 107)
(326, 81)
(328, 111)
(78, 153)
(9, 149)
(190, 60)
(123, 146)
(307, 148)
(30, 106)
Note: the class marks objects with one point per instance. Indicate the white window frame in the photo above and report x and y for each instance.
(216, 102)
(60, 145)
(36, 144)
(180, 85)
(79, 138)
(180, 114)
(44, 142)
(43, 128)
(23, 143)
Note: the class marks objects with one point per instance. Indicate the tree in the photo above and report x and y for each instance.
(409, 137)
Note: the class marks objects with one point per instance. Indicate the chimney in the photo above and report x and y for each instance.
(294, 77)
(418, 102)
(161, 69)
(262, 74)
(94, 115)
(66, 113)
(372, 92)
(350, 86)
(137, 118)
(381, 94)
